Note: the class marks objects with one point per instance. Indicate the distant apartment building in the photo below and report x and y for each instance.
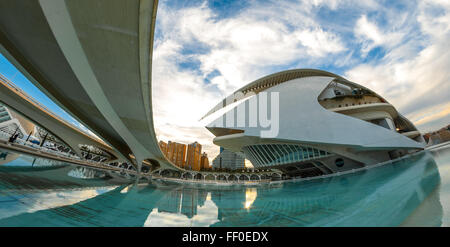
(175, 152)
(180, 155)
(228, 159)
(204, 161)
(163, 147)
(189, 157)
(171, 151)
(193, 157)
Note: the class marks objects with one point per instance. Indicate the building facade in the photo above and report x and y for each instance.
(189, 157)
(193, 157)
(228, 159)
(322, 124)
(204, 162)
(175, 152)
(163, 147)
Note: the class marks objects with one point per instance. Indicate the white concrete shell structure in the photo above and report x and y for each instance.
(327, 124)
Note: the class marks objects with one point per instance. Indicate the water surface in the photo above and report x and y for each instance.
(412, 192)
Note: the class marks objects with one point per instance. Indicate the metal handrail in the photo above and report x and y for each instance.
(92, 164)
(48, 150)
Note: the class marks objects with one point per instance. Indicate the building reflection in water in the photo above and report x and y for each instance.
(383, 196)
(185, 201)
(19, 203)
(184, 206)
(7, 157)
(389, 195)
(250, 197)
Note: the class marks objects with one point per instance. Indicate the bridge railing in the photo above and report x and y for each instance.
(7, 83)
(91, 163)
(6, 136)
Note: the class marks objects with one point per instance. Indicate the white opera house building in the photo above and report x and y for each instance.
(324, 124)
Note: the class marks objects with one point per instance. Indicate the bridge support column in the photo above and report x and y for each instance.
(138, 161)
(75, 148)
(155, 170)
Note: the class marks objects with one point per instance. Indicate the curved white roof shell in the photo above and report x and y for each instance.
(302, 119)
(272, 80)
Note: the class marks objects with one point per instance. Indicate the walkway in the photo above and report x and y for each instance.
(19, 146)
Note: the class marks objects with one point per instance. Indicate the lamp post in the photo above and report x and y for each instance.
(31, 132)
(45, 137)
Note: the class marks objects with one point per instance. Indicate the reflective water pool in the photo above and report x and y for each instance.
(410, 192)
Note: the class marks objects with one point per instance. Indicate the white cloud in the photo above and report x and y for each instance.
(371, 36)
(206, 215)
(238, 50)
(266, 37)
(417, 83)
(320, 43)
(33, 202)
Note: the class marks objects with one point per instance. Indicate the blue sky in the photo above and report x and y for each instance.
(208, 49)
(204, 50)
(14, 75)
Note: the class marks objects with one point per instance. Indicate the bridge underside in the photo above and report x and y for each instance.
(92, 58)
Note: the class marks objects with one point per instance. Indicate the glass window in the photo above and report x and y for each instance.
(303, 154)
(268, 152)
(285, 153)
(256, 154)
(295, 152)
(264, 157)
(280, 152)
(292, 152)
(268, 149)
(316, 153)
(252, 156)
(310, 153)
(276, 154)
